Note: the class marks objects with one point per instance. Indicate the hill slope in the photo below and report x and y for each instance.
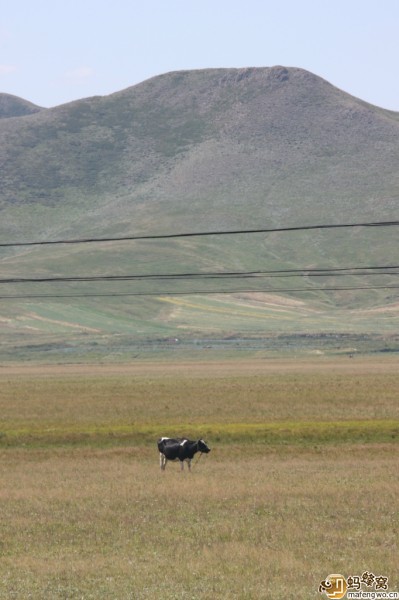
(224, 145)
(12, 106)
(199, 151)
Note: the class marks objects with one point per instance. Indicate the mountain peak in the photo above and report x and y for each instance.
(12, 106)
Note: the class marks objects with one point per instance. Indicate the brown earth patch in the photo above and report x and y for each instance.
(356, 365)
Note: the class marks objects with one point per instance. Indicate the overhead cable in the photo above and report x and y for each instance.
(198, 234)
(159, 294)
(314, 272)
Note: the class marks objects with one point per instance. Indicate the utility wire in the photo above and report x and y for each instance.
(196, 292)
(315, 272)
(200, 234)
(327, 272)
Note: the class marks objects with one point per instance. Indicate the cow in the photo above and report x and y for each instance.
(179, 449)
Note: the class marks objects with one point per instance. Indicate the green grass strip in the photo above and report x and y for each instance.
(282, 432)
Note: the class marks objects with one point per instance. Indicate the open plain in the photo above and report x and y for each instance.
(301, 481)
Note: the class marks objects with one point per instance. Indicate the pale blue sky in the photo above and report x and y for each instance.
(55, 51)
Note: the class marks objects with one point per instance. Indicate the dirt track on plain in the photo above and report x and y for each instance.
(356, 365)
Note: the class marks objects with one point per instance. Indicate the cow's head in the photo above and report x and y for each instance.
(202, 447)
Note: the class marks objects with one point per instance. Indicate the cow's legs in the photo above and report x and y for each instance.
(182, 465)
(162, 461)
(189, 464)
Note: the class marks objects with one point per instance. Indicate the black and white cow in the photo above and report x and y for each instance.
(179, 449)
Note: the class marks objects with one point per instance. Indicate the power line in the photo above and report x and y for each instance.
(313, 272)
(199, 234)
(197, 292)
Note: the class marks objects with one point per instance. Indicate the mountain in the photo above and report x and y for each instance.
(12, 106)
(214, 149)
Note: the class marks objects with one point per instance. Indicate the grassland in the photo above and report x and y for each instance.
(301, 481)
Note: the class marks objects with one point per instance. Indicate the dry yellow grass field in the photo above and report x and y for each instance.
(93, 517)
